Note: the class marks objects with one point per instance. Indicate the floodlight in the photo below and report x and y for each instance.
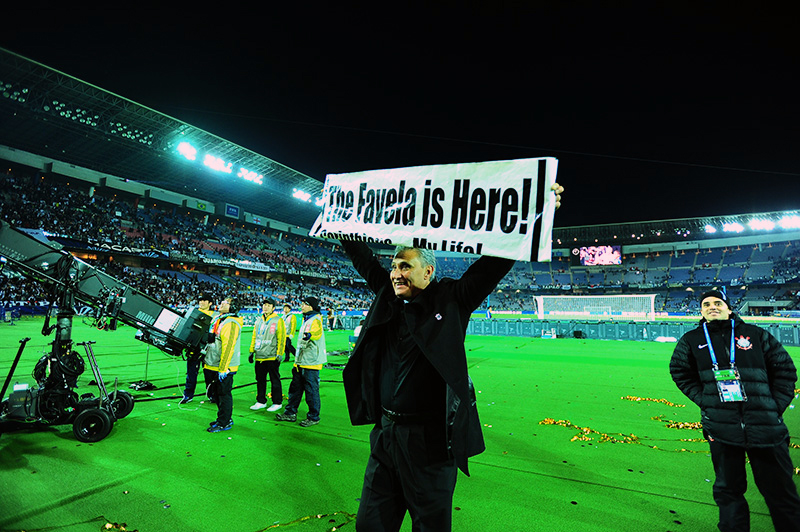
(302, 196)
(764, 225)
(790, 222)
(710, 229)
(733, 227)
(217, 164)
(187, 150)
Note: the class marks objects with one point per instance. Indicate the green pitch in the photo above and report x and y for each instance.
(579, 436)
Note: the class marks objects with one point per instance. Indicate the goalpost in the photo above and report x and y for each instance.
(636, 307)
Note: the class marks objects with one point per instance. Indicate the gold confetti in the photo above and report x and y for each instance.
(122, 527)
(638, 399)
(692, 425)
(348, 518)
(589, 434)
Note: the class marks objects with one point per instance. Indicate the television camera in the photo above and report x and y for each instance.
(53, 399)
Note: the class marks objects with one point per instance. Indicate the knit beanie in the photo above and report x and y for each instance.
(717, 294)
(313, 302)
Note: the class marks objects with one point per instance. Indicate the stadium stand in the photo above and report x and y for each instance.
(174, 255)
(94, 192)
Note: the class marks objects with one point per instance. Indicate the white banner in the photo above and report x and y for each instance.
(252, 266)
(498, 208)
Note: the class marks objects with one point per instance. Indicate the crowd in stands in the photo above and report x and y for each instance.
(68, 211)
(300, 266)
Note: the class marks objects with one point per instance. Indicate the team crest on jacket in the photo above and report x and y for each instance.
(743, 342)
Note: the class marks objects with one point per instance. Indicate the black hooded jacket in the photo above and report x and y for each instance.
(766, 372)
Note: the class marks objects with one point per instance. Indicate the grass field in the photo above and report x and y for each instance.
(758, 320)
(605, 458)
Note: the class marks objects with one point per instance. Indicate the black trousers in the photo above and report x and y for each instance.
(221, 393)
(225, 400)
(409, 469)
(773, 474)
(193, 364)
(289, 350)
(211, 379)
(271, 368)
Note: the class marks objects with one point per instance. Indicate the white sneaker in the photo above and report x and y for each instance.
(258, 406)
(273, 408)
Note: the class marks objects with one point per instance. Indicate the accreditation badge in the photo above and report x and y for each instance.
(730, 387)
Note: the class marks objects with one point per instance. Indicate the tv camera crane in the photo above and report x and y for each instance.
(70, 280)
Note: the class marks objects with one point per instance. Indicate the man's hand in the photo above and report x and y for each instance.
(222, 375)
(250, 358)
(558, 189)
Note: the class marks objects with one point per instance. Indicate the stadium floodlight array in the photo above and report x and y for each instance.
(634, 307)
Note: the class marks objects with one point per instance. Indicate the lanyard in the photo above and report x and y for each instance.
(711, 347)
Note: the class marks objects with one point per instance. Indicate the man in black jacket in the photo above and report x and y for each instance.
(743, 380)
(407, 375)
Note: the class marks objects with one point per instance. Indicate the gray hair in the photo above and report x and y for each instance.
(426, 256)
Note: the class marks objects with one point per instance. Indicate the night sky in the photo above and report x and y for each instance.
(654, 113)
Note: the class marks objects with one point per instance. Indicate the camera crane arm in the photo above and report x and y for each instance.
(71, 279)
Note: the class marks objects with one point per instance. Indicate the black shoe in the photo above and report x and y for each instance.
(185, 400)
(286, 417)
(220, 428)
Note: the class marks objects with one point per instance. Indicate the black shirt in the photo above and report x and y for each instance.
(409, 383)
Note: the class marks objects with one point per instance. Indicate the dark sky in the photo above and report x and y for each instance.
(654, 113)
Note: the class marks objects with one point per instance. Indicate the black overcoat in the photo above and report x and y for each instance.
(437, 320)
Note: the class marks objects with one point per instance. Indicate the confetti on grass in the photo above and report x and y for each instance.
(638, 399)
(589, 434)
(332, 520)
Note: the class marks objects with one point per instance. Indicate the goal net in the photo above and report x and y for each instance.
(635, 307)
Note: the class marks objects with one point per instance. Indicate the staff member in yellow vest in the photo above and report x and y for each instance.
(290, 320)
(310, 358)
(195, 355)
(266, 349)
(222, 356)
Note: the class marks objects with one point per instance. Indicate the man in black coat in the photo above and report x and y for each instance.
(407, 375)
(743, 380)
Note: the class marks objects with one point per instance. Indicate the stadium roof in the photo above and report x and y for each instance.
(687, 232)
(55, 115)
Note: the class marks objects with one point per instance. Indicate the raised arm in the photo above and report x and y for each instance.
(367, 264)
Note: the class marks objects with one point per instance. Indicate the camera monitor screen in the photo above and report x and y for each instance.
(597, 255)
(166, 320)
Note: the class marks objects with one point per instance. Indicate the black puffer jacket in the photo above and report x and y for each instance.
(766, 371)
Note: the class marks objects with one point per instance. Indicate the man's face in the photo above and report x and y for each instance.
(267, 308)
(305, 308)
(224, 306)
(287, 309)
(204, 304)
(713, 308)
(409, 277)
